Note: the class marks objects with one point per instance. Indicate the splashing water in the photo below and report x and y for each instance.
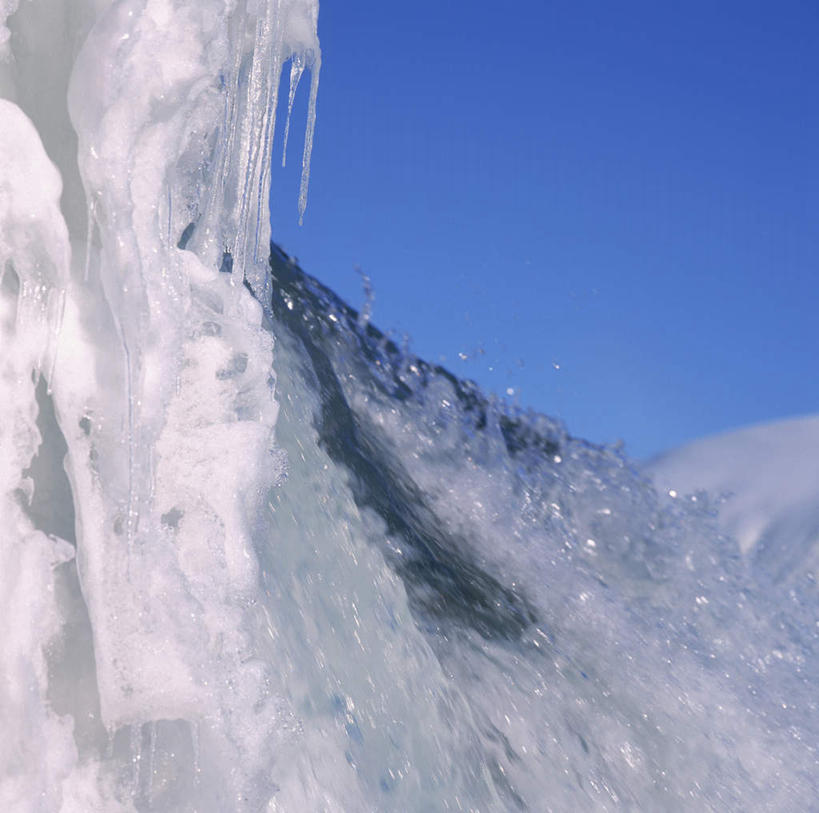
(411, 596)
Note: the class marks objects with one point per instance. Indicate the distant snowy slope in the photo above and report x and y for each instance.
(771, 472)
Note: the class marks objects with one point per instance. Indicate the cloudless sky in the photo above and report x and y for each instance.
(612, 208)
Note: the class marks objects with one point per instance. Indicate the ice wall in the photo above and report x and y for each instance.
(159, 117)
(34, 237)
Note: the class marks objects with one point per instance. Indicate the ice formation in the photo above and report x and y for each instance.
(159, 117)
(353, 584)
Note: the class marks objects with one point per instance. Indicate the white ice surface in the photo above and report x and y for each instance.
(124, 122)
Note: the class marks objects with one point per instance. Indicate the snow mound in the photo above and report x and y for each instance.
(769, 476)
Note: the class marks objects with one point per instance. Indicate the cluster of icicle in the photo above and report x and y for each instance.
(135, 144)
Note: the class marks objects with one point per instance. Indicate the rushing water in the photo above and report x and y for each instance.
(255, 557)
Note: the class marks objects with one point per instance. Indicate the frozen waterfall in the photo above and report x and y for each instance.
(254, 556)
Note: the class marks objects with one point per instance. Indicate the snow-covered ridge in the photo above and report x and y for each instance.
(769, 476)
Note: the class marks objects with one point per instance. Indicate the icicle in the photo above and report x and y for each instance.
(308, 137)
(259, 126)
(262, 156)
(89, 236)
(296, 71)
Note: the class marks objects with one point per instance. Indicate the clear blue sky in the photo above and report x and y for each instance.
(628, 190)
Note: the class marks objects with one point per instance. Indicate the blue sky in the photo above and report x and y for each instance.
(611, 208)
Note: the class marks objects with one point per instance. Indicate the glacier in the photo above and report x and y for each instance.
(255, 556)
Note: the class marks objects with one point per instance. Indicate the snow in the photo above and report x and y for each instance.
(769, 476)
